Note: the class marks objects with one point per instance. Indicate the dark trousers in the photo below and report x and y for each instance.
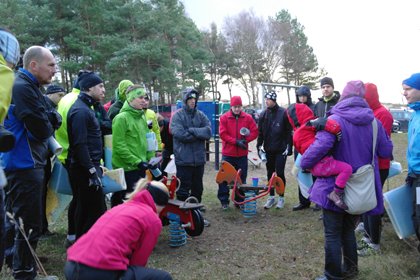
(163, 165)
(276, 162)
(373, 223)
(47, 170)
(131, 178)
(24, 201)
(2, 228)
(191, 182)
(238, 163)
(72, 207)
(90, 203)
(416, 207)
(340, 243)
(78, 271)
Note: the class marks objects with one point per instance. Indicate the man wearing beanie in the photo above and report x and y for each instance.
(85, 152)
(54, 94)
(190, 128)
(235, 145)
(411, 87)
(153, 125)
(275, 138)
(328, 100)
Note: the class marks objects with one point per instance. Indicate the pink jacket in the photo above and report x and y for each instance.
(131, 228)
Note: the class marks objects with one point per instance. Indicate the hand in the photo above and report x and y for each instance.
(409, 180)
(94, 182)
(55, 119)
(150, 124)
(104, 169)
(158, 153)
(288, 151)
(241, 143)
(143, 166)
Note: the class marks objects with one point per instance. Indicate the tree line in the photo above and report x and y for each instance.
(154, 42)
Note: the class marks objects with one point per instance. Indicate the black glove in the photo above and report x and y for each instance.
(409, 180)
(7, 140)
(55, 119)
(143, 166)
(318, 123)
(288, 151)
(95, 182)
(241, 143)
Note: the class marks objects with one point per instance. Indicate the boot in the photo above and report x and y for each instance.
(337, 198)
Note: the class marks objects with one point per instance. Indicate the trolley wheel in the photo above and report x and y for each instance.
(198, 221)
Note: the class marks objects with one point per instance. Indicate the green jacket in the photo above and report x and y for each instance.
(6, 85)
(129, 144)
(61, 134)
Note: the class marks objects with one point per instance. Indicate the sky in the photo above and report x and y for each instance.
(373, 41)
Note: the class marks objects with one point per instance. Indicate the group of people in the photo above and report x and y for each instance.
(334, 137)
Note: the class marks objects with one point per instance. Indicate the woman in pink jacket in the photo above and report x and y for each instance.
(119, 244)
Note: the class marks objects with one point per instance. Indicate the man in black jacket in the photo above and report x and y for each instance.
(33, 122)
(85, 152)
(275, 137)
(328, 100)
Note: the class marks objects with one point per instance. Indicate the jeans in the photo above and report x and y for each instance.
(373, 223)
(24, 201)
(276, 162)
(191, 182)
(238, 163)
(78, 271)
(340, 243)
(90, 203)
(131, 178)
(302, 199)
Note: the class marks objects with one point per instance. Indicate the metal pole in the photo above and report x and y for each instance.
(216, 135)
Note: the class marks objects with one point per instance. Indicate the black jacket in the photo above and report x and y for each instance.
(274, 130)
(84, 132)
(168, 139)
(321, 107)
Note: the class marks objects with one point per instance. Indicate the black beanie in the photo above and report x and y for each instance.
(160, 197)
(327, 81)
(88, 79)
(54, 89)
(271, 95)
(304, 90)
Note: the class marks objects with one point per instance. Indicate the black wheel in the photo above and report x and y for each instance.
(198, 221)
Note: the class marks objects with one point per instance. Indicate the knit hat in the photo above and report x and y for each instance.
(304, 90)
(327, 81)
(9, 47)
(76, 83)
(122, 88)
(413, 81)
(146, 97)
(54, 89)
(236, 101)
(159, 196)
(135, 93)
(354, 88)
(271, 95)
(88, 79)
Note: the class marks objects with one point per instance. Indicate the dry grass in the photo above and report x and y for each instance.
(276, 244)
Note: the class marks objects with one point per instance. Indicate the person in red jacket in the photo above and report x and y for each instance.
(119, 244)
(235, 145)
(306, 126)
(371, 225)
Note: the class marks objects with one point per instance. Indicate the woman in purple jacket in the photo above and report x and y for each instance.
(355, 148)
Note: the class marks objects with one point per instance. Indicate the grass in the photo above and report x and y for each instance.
(276, 244)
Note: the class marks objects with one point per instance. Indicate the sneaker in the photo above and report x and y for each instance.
(360, 228)
(242, 206)
(206, 223)
(368, 251)
(68, 243)
(270, 202)
(50, 233)
(225, 206)
(280, 203)
(202, 209)
(317, 208)
(337, 198)
(362, 244)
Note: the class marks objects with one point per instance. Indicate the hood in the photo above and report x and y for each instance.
(144, 197)
(122, 88)
(372, 96)
(354, 109)
(299, 114)
(187, 93)
(127, 108)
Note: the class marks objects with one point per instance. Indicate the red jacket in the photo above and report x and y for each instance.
(229, 133)
(131, 228)
(382, 114)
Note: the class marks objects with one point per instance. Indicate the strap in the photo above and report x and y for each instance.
(375, 135)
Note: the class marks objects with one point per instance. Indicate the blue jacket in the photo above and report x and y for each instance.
(413, 135)
(29, 118)
(355, 148)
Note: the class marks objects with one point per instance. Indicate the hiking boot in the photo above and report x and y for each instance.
(362, 244)
(270, 202)
(280, 203)
(360, 228)
(337, 198)
(206, 223)
(368, 251)
(225, 206)
(300, 206)
(68, 243)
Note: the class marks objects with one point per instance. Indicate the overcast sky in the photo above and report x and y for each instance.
(373, 41)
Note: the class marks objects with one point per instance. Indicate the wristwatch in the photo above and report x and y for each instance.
(92, 170)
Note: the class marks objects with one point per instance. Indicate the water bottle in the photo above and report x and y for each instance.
(244, 131)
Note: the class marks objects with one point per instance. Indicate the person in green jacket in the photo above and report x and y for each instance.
(120, 98)
(129, 144)
(153, 125)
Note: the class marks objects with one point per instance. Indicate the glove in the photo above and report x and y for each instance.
(55, 119)
(288, 151)
(241, 143)
(94, 182)
(143, 166)
(409, 180)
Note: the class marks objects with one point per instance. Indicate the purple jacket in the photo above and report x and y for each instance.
(355, 148)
